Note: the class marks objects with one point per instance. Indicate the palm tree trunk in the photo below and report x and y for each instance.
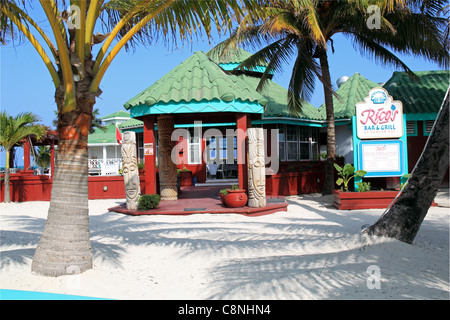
(7, 197)
(65, 246)
(331, 137)
(404, 218)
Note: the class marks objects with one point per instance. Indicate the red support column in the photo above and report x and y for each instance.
(26, 154)
(241, 124)
(150, 154)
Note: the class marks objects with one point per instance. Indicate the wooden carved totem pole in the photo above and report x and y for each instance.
(130, 170)
(167, 168)
(256, 168)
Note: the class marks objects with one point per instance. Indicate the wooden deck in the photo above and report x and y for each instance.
(204, 199)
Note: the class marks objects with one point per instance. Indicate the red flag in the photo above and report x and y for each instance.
(118, 135)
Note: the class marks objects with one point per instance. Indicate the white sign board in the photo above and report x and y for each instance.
(379, 116)
(381, 157)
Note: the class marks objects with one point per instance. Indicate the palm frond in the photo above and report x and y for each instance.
(302, 82)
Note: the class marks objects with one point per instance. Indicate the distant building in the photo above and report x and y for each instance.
(104, 149)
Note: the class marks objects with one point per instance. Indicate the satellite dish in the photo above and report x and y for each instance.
(341, 80)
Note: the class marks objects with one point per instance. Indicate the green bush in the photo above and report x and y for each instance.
(149, 201)
(347, 173)
(363, 186)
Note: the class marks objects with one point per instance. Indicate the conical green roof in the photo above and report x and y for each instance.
(424, 96)
(236, 55)
(354, 90)
(194, 80)
(277, 97)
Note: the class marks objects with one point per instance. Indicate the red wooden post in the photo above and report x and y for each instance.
(241, 124)
(26, 154)
(150, 154)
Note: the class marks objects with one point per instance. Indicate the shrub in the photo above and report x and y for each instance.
(149, 201)
(347, 173)
(363, 186)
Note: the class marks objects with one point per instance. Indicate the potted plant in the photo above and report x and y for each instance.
(364, 198)
(185, 176)
(141, 167)
(346, 173)
(222, 194)
(234, 197)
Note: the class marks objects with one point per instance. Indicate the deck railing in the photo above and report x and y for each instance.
(105, 167)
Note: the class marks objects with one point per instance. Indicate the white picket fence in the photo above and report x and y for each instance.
(105, 167)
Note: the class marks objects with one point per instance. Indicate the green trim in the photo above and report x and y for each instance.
(192, 125)
(135, 129)
(300, 122)
(197, 107)
(187, 125)
(421, 116)
(232, 66)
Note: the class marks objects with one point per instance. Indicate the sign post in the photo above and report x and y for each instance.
(379, 136)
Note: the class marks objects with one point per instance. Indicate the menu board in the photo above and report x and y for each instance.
(381, 157)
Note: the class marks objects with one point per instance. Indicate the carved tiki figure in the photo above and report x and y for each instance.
(130, 170)
(167, 168)
(256, 168)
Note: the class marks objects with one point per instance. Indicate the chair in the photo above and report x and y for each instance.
(220, 170)
(212, 168)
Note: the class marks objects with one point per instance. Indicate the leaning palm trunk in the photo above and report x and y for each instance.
(404, 218)
(65, 246)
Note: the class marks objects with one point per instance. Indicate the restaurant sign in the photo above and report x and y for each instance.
(379, 116)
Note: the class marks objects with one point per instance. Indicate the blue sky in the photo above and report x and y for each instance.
(25, 84)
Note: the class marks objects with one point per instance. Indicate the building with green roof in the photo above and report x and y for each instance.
(422, 97)
(214, 90)
(104, 148)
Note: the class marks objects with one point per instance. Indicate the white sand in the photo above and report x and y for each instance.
(313, 251)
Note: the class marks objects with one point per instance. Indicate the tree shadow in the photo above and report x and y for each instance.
(320, 256)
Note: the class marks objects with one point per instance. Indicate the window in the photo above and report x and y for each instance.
(140, 146)
(281, 142)
(304, 143)
(427, 126)
(225, 148)
(292, 143)
(298, 143)
(195, 149)
(411, 128)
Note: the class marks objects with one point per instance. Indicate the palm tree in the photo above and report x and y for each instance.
(42, 156)
(304, 30)
(12, 131)
(95, 123)
(403, 220)
(77, 71)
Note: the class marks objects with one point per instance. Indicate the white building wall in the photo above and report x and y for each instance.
(344, 142)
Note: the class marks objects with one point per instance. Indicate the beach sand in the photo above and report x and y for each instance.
(312, 251)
